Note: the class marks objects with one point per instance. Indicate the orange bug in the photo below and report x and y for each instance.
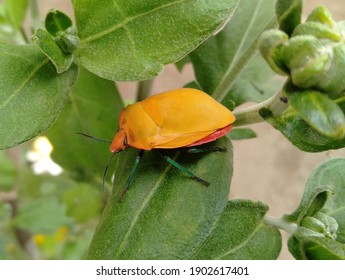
(183, 117)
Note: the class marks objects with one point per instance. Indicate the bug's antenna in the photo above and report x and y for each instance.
(106, 170)
(94, 138)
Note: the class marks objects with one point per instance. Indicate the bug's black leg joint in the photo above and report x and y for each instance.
(198, 179)
(131, 174)
(206, 149)
(284, 99)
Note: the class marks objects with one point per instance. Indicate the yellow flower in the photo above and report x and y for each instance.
(11, 248)
(61, 233)
(39, 239)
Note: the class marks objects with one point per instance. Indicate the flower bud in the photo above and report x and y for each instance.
(318, 30)
(270, 44)
(314, 55)
(331, 225)
(303, 232)
(322, 15)
(320, 225)
(307, 58)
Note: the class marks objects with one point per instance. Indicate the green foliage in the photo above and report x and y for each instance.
(7, 171)
(56, 22)
(313, 58)
(249, 237)
(127, 41)
(15, 12)
(227, 65)
(50, 211)
(314, 53)
(12, 14)
(165, 214)
(320, 216)
(32, 93)
(320, 112)
(48, 46)
(83, 158)
(78, 198)
(36, 213)
(63, 84)
(289, 13)
(302, 135)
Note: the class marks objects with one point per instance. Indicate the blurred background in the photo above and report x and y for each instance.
(267, 168)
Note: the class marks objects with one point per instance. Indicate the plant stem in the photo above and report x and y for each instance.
(340, 100)
(251, 115)
(281, 224)
(35, 15)
(23, 237)
(144, 89)
(237, 66)
(23, 35)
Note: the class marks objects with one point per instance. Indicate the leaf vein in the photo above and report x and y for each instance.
(231, 74)
(143, 207)
(238, 247)
(128, 20)
(25, 82)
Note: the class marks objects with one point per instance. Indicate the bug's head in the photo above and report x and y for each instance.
(119, 143)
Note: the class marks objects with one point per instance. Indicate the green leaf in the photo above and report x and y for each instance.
(331, 173)
(299, 133)
(48, 46)
(318, 248)
(93, 108)
(44, 215)
(270, 44)
(294, 249)
(12, 14)
(328, 175)
(56, 21)
(32, 93)
(15, 11)
(320, 112)
(256, 83)
(314, 198)
(241, 133)
(289, 14)
(165, 214)
(122, 40)
(83, 202)
(229, 64)
(240, 233)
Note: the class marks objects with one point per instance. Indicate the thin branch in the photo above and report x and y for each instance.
(281, 224)
(144, 89)
(35, 16)
(251, 115)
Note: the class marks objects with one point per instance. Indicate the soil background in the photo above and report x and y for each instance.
(268, 168)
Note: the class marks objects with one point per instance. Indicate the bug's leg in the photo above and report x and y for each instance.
(183, 169)
(106, 170)
(206, 149)
(131, 174)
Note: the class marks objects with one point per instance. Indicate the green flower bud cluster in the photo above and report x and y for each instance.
(320, 225)
(60, 26)
(313, 56)
(67, 40)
